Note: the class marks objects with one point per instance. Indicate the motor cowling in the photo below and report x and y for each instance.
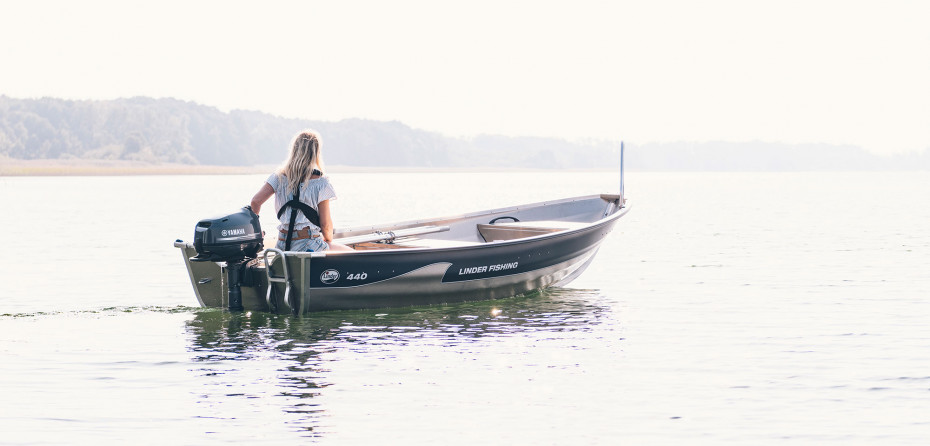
(228, 238)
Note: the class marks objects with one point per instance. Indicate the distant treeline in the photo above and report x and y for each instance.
(169, 130)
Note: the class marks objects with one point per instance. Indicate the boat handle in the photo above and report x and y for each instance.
(515, 219)
(272, 278)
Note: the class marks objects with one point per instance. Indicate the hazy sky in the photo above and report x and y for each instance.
(842, 72)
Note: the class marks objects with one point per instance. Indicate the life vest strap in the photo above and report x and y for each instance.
(296, 205)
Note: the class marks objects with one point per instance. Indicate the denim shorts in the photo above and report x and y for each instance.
(312, 244)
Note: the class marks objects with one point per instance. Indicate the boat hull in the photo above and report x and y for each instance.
(405, 277)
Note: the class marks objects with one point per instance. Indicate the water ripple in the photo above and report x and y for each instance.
(292, 357)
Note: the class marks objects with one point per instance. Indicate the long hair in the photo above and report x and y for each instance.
(304, 156)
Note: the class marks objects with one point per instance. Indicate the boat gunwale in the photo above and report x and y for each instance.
(413, 223)
(621, 211)
(587, 226)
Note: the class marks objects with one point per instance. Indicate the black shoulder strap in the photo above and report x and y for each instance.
(296, 205)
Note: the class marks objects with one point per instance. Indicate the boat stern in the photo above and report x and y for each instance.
(210, 281)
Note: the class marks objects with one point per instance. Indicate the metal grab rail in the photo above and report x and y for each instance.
(272, 279)
(390, 236)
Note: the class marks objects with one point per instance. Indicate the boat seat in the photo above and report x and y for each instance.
(414, 243)
(436, 243)
(522, 229)
(371, 246)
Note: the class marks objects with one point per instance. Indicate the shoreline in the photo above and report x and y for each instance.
(10, 167)
(80, 167)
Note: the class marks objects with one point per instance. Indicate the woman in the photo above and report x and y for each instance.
(301, 196)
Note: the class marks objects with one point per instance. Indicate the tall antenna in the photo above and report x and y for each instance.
(621, 174)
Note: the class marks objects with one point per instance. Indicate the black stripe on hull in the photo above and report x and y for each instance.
(422, 277)
(467, 263)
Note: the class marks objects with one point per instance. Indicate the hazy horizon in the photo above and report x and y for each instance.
(821, 72)
(581, 139)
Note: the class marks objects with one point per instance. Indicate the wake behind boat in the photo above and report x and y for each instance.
(488, 254)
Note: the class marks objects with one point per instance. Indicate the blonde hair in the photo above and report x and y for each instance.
(304, 156)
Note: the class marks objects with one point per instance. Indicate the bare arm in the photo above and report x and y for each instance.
(261, 197)
(326, 221)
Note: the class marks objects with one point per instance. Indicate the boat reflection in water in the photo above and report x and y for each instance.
(260, 358)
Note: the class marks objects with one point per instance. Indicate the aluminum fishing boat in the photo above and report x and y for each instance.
(489, 254)
(482, 255)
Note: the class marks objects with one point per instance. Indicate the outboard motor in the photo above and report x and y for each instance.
(235, 239)
(228, 238)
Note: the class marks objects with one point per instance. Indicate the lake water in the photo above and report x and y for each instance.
(726, 308)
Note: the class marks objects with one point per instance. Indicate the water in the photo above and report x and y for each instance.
(728, 308)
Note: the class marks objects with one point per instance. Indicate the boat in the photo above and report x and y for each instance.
(489, 254)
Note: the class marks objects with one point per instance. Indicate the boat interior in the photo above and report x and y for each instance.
(491, 226)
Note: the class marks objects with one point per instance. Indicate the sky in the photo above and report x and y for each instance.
(815, 71)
